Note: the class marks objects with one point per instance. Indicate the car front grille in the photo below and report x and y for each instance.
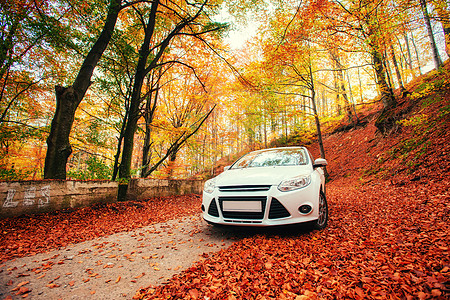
(244, 188)
(244, 214)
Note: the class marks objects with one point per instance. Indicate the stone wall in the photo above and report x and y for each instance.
(140, 189)
(32, 197)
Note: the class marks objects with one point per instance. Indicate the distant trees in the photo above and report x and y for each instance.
(369, 44)
(443, 16)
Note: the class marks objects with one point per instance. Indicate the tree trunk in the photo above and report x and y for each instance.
(444, 19)
(397, 70)
(417, 54)
(360, 87)
(436, 58)
(119, 146)
(150, 108)
(58, 145)
(341, 86)
(352, 99)
(409, 58)
(135, 101)
(387, 96)
(68, 99)
(387, 68)
(316, 116)
(172, 158)
(146, 158)
(338, 102)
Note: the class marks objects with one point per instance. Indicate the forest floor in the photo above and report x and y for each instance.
(387, 236)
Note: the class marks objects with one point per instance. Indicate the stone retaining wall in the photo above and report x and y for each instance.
(32, 197)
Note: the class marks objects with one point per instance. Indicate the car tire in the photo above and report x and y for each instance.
(322, 221)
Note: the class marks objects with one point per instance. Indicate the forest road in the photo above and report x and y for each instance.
(114, 266)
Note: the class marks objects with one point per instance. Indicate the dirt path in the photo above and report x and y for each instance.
(115, 266)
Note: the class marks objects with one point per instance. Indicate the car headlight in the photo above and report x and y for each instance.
(210, 185)
(294, 183)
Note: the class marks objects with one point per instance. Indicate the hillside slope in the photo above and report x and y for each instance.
(417, 148)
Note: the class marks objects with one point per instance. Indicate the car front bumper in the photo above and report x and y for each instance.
(269, 207)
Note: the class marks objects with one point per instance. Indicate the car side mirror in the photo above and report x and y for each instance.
(320, 162)
(226, 168)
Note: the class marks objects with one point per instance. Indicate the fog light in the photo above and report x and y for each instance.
(203, 207)
(304, 209)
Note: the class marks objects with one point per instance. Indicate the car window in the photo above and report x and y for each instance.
(272, 158)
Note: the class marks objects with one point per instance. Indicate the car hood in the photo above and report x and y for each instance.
(260, 175)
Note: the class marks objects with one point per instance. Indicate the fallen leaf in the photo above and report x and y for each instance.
(23, 290)
(193, 293)
(23, 283)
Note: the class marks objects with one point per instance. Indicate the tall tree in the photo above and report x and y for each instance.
(340, 86)
(397, 69)
(297, 58)
(68, 99)
(426, 17)
(186, 20)
(363, 19)
(444, 18)
(32, 35)
(149, 115)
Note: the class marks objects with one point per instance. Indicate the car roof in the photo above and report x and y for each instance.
(280, 148)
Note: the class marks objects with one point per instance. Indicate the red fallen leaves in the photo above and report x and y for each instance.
(21, 289)
(193, 293)
(29, 235)
(382, 242)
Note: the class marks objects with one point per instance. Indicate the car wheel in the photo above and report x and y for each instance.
(322, 221)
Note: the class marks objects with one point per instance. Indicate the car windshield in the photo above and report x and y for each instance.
(272, 158)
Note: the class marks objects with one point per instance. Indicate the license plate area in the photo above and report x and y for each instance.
(243, 206)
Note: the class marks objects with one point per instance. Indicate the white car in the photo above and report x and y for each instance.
(277, 186)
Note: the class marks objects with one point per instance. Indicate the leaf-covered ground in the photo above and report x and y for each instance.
(383, 242)
(28, 235)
